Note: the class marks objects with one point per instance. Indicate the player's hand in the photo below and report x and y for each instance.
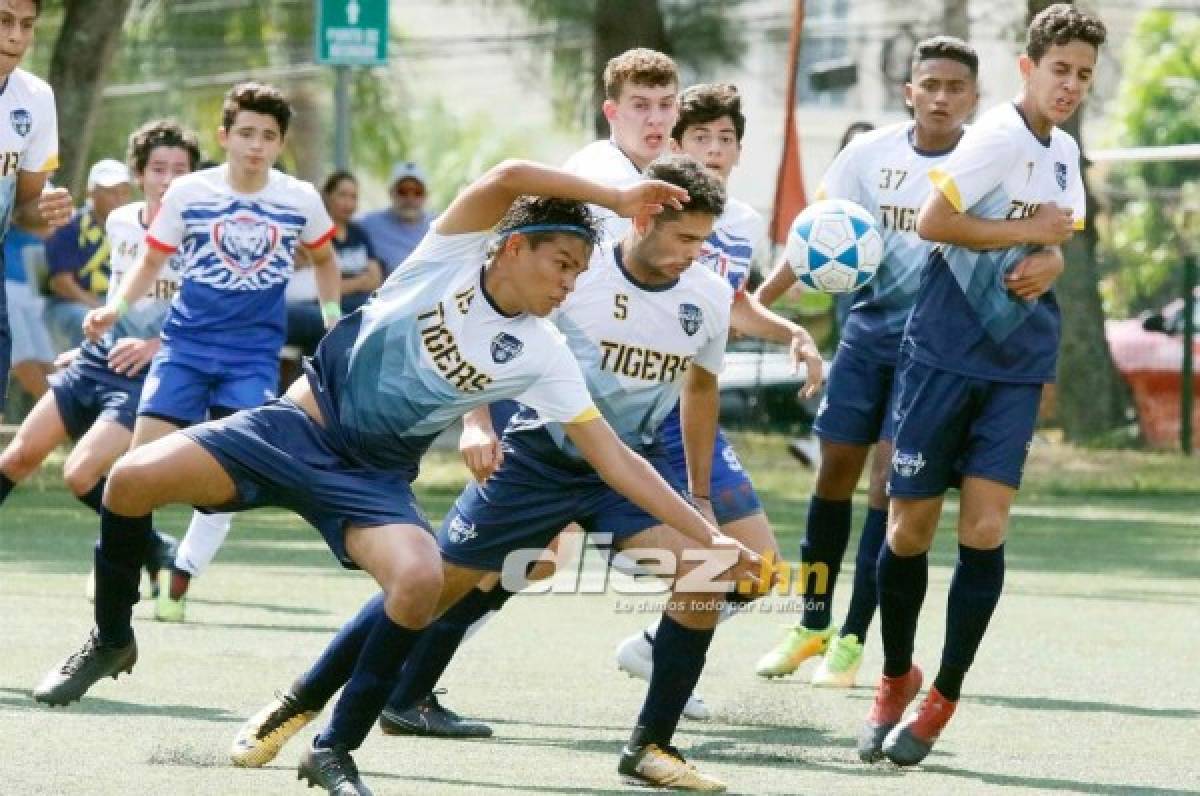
(1034, 275)
(65, 359)
(130, 354)
(748, 566)
(481, 451)
(55, 207)
(99, 321)
(803, 351)
(1051, 225)
(648, 198)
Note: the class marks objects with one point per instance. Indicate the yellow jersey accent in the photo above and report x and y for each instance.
(586, 416)
(945, 183)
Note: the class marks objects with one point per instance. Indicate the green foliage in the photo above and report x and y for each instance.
(1158, 105)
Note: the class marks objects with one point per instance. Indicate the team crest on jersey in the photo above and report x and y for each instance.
(1060, 174)
(22, 121)
(690, 318)
(245, 242)
(505, 348)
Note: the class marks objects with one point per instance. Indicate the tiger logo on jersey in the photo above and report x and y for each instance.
(690, 318)
(245, 242)
(505, 348)
(22, 121)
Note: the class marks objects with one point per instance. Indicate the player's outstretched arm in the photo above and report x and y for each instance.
(478, 444)
(135, 285)
(329, 282)
(941, 222)
(483, 203)
(749, 317)
(35, 206)
(779, 282)
(699, 403)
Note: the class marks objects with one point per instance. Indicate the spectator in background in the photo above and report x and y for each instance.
(77, 254)
(395, 231)
(32, 350)
(362, 273)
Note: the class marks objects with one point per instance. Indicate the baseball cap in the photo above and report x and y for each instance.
(107, 173)
(407, 170)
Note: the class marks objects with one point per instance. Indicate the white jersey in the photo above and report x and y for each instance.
(885, 172)
(29, 142)
(430, 347)
(737, 236)
(636, 342)
(604, 162)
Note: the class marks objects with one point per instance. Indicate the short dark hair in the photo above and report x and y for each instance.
(333, 180)
(640, 66)
(949, 47)
(708, 102)
(257, 98)
(535, 210)
(37, 6)
(705, 192)
(160, 132)
(1062, 24)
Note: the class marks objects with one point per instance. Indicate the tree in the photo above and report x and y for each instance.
(1091, 396)
(79, 66)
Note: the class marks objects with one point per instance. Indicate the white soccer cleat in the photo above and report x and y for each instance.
(635, 658)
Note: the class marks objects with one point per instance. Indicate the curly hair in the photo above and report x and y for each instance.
(257, 98)
(529, 211)
(707, 102)
(948, 47)
(640, 66)
(705, 192)
(1061, 24)
(160, 132)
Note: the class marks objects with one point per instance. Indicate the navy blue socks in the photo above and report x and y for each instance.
(678, 656)
(124, 543)
(866, 592)
(825, 537)
(974, 591)
(902, 584)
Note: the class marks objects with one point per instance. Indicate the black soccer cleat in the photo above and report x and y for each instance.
(332, 769)
(428, 717)
(95, 660)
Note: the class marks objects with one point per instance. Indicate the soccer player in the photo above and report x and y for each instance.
(980, 343)
(645, 326)
(238, 227)
(29, 145)
(453, 330)
(94, 400)
(885, 171)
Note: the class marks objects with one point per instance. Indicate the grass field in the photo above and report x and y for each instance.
(1086, 683)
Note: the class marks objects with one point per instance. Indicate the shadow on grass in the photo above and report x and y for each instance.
(273, 627)
(1050, 784)
(1079, 706)
(22, 698)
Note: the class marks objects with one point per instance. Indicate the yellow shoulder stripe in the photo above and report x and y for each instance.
(586, 416)
(945, 183)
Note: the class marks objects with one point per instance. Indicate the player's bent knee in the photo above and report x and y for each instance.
(411, 594)
(80, 478)
(18, 462)
(126, 491)
(983, 533)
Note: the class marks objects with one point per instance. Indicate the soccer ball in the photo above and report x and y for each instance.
(834, 246)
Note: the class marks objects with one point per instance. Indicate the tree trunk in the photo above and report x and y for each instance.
(1091, 395)
(955, 20)
(617, 26)
(78, 67)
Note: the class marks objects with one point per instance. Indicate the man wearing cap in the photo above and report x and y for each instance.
(395, 231)
(77, 254)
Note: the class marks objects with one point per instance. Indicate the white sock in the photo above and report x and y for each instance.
(204, 538)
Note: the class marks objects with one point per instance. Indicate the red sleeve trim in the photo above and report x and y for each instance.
(154, 243)
(321, 241)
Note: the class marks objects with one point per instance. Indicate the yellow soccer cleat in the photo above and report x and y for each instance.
(261, 738)
(800, 644)
(839, 667)
(664, 767)
(166, 609)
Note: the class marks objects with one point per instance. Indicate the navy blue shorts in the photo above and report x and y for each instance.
(949, 426)
(81, 401)
(733, 496)
(530, 499)
(277, 456)
(183, 389)
(857, 407)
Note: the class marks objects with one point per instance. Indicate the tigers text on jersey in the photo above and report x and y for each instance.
(965, 320)
(603, 162)
(238, 252)
(430, 347)
(126, 232)
(887, 174)
(636, 342)
(729, 250)
(29, 140)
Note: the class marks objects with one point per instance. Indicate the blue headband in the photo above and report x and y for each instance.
(570, 229)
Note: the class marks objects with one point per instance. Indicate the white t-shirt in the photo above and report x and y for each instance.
(605, 163)
(29, 140)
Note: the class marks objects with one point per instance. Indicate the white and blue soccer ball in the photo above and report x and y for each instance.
(834, 246)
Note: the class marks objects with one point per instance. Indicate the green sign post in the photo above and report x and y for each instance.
(349, 33)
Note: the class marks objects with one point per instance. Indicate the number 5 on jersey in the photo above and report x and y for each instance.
(620, 306)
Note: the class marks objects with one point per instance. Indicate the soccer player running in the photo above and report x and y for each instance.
(29, 145)
(646, 327)
(94, 400)
(886, 171)
(981, 342)
(237, 226)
